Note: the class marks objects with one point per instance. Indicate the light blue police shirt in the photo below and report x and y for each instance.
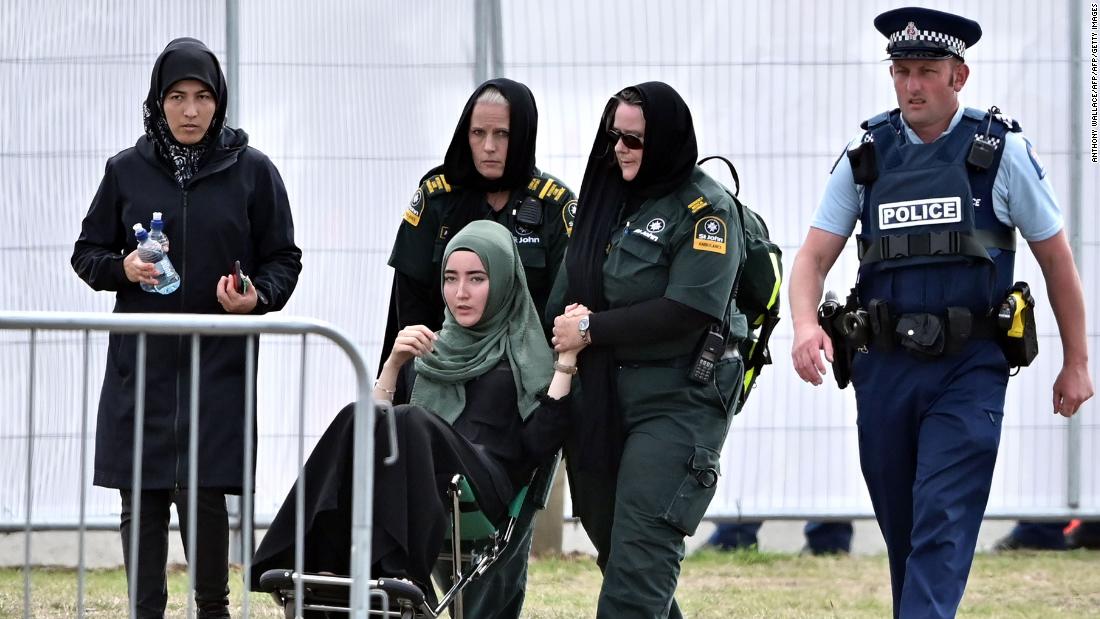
(1022, 195)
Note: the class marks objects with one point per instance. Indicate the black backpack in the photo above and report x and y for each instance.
(756, 287)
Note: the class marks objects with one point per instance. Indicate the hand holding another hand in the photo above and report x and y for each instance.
(567, 334)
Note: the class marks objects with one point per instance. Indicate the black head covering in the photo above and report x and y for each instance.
(183, 59)
(523, 121)
(916, 32)
(458, 164)
(667, 163)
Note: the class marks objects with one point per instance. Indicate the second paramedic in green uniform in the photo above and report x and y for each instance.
(488, 173)
(649, 273)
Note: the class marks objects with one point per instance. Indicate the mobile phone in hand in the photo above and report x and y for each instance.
(239, 279)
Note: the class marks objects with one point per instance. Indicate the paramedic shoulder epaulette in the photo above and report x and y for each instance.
(432, 186)
(556, 195)
(696, 200)
(548, 189)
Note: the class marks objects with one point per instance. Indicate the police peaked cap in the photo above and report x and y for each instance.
(924, 33)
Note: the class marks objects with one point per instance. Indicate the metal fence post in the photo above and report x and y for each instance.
(233, 59)
(488, 41)
(30, 478)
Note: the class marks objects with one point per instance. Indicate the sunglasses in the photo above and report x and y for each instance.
(631, 141)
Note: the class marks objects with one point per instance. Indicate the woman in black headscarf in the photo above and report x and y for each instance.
(221, 201)
(649, 274)
(488, 173)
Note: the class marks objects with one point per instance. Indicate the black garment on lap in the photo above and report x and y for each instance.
(489, 444)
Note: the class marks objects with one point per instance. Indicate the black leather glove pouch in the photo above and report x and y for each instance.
(922, 334)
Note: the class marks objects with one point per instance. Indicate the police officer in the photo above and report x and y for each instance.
(488, 173)
(649, 275)
(938, 190)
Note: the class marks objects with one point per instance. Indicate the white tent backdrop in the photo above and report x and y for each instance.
(354, 101)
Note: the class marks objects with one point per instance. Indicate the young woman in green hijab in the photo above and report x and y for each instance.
(488, 400)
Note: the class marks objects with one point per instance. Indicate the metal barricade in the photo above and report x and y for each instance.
(197, 325)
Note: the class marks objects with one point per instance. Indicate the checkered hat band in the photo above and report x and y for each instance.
(954, 45)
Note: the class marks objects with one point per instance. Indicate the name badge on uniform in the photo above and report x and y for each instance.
(649, 236)
(710, 235)
(927, 212)
(522, 235)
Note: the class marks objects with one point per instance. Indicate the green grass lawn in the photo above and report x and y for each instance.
(713, 584)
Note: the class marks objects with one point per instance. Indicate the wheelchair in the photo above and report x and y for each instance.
(473, 538)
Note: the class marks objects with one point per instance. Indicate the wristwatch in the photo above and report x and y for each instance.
(583, 327)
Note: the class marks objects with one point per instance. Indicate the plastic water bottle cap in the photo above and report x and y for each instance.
(140, 232)
(156, 216)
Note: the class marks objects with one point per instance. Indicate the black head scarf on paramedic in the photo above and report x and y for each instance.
(669, 156)
(458, 164)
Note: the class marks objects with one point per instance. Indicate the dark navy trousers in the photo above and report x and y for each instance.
(821, 537)
(928, 437)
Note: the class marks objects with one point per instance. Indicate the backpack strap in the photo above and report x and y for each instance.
(741, 221)
(729, 164)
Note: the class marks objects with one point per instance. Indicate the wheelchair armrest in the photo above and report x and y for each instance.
(273, 580)
(542, 482)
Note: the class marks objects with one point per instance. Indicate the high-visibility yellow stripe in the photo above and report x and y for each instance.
(778, 276)
(775, 290)
(750, 372)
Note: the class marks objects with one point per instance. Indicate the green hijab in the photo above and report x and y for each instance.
(509, 328)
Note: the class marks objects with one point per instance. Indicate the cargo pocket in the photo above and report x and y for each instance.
(695, 492)
(730, 382)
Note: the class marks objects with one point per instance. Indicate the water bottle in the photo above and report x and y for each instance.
(150, 251)
(156, 231)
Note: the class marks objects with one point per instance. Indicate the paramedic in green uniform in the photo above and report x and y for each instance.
(649, 273)
(488, 173)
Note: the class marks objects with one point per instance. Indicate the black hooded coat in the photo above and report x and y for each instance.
(232, 207)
